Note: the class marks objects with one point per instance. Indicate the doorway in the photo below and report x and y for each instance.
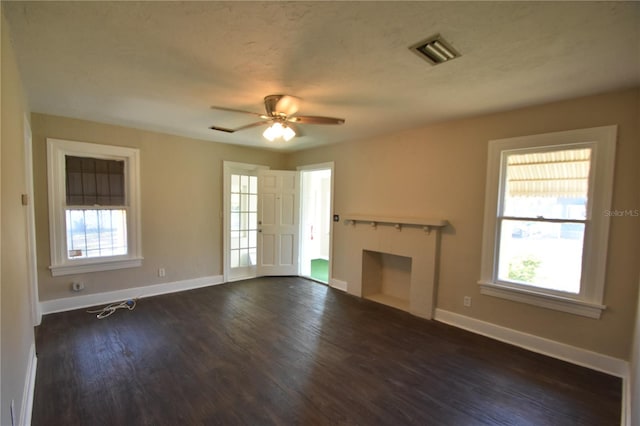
(277, 222)
(315, 221)
(260, 221)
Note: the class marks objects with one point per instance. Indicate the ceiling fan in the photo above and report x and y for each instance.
(280, 114)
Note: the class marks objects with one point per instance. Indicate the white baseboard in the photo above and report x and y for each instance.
(85, 301)
(38, 319)
(626, 402)
(29, 388)
(338, 284)
(585, 358)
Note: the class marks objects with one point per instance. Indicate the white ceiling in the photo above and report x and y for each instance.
(160, 65)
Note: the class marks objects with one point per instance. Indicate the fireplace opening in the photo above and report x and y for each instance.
(386, 278)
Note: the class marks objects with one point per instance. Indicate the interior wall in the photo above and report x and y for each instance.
(181, 199)
(439, 171)
(15, 317)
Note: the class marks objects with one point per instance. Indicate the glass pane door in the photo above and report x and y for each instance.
(243, 219)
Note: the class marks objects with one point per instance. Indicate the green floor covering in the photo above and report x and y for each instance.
(320, 270)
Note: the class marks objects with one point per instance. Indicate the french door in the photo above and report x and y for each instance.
(240, 220)
(260, 221)
(278, 224)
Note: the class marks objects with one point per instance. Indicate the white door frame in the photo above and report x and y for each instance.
(311, 167)
(32, 258)
(227, 167)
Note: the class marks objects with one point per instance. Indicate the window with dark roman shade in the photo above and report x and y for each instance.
(94, 181)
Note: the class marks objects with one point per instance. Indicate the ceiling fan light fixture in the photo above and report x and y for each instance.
(277, 130)
(279, 114)
(269, 134)
(288, 134)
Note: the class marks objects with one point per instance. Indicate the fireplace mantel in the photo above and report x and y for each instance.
(394, 236)
(398, 222)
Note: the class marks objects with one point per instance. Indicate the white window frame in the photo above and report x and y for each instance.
(57, 150)
(589, 301)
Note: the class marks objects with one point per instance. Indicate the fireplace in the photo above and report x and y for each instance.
(386, 278)
(394, 261)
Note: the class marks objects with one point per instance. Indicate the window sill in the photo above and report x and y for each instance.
(57, 270)
(532, 297)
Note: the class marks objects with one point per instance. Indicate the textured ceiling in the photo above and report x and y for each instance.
(160, 65)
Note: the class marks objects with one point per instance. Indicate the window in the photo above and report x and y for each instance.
(244, 220)
(546, 230)
(94, 217)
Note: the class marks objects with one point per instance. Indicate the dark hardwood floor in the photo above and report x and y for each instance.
(290, 351)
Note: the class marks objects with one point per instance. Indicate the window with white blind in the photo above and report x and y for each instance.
(546, 231)
(94, 216)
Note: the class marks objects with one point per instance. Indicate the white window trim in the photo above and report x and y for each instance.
(589, 302)
(57, 149)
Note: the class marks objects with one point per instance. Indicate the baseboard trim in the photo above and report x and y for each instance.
(585, 358)
(627, 402)
(29, 388)
(85, 301)
(38, 314)
(338, 284)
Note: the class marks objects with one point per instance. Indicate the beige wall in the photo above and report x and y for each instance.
(181, 187)
(439, 171)
(15, 317)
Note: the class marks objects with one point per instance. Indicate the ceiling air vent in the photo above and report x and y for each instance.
(435, 50)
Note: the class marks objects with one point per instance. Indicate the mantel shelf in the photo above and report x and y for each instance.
(397, 221)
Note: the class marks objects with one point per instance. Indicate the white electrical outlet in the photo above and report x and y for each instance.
(161, 272)
(467, 301)
(77, 286)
